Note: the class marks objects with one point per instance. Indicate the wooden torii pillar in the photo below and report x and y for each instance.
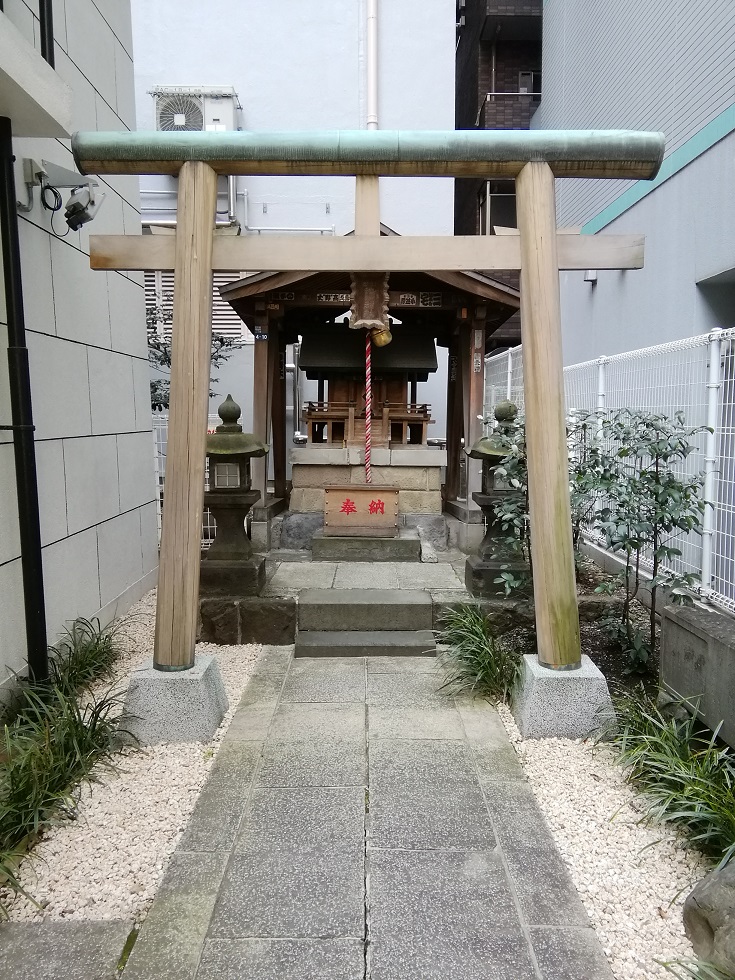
(534, 158)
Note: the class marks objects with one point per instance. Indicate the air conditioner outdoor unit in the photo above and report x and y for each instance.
(184, 108)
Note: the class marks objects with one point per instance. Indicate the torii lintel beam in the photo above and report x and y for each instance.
(585, 153)
(286, 253)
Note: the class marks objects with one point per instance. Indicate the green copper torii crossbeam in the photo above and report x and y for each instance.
(533, 157)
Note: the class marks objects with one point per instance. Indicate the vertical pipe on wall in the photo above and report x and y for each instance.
(22, 420)
(46, 17)
(714, 383)
(372, 64)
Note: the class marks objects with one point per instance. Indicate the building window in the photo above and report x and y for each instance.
(529, 82)
(497, 206)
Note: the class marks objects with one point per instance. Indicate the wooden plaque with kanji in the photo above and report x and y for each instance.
(361, 509)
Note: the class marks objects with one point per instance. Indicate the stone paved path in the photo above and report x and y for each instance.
(359, 825)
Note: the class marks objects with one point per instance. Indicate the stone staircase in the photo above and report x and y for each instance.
(364, 622)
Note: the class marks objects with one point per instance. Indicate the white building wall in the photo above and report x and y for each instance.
(88, 361)
(663, 66)
(299, 65)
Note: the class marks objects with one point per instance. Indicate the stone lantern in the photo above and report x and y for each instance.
(230, 567)
(494, 555)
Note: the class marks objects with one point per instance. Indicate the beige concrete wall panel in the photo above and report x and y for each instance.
(80, 298)
(419, 502)
(142, 393)
(149, 537)
(9, 534)
(71, 579)
(60, 380)
(127, 317)
(120, 556)
(92, 491)
(38, 290)
(51, 490)
(118, 16)
(83, 105)
(136, 469)
(124, 80)
(12, 625)
(91, 46)
(111, 392)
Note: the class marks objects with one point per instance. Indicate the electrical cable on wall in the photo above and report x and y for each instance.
(57, 205)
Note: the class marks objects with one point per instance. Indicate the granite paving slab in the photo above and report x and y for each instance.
(291, 896)
(299, 722)
(424, 762)
(570, 954)
(414, 723)
(363, 575)
(427, 817)
(294, 576)
(422, 576)
(62, 950)
(333, 680)
(320, 762)
(545, 891)
(310, 819)
(283, 959)
(170, 943)
(218, 811)
(401, 665)
(493, 955)
(406, 690)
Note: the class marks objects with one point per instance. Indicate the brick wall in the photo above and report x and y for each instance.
(532, 8)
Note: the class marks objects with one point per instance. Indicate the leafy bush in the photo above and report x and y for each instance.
(685, 777)
(695, 969)
(475, 661)
(54, 736)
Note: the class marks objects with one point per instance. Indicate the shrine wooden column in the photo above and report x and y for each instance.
(262, 384)
(472, 340)
(278, 414)
(177, 605)
(454, 419)
(555, 595)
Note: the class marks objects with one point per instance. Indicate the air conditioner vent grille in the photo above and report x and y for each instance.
(179, 113)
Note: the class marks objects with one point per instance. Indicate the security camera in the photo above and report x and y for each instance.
(82, 206)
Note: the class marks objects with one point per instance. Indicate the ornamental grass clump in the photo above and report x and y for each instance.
(475, 661)
(695, 969)
(54, 736)
(685, 776)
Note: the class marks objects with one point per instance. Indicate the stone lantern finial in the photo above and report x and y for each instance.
(229, 411)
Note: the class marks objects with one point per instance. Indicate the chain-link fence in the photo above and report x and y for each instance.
(695, 376)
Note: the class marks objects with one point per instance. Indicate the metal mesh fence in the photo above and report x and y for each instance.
(666, 379)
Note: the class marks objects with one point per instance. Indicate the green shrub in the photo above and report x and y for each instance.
(693, 968)
(54, 735)
(475, 660)
(686, 778)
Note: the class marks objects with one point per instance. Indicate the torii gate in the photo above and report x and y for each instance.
(534, 158)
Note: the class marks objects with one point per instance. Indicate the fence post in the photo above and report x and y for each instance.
(509, 381)
(714, 383)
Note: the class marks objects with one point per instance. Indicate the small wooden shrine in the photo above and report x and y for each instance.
(463, 312)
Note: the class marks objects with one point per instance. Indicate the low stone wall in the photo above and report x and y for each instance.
(698, 662)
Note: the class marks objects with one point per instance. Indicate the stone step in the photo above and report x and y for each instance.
(405, 547)
(365, 643)
(365, 609)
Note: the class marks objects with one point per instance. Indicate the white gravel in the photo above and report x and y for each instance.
(108, 862)
(632, 876)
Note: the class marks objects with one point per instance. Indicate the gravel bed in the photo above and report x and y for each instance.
(632, 876)
(108, 862)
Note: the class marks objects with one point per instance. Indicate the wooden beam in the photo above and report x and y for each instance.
(454, 419)
(367, 206)
(355, 253)
(177, 605)
(278, 418)
(261, 386)
(555, 594)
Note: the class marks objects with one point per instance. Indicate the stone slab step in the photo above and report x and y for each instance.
(364, 643)
(406, 547)
(365, 609)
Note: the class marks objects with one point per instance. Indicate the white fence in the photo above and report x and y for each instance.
(160, 446)
(695, 376)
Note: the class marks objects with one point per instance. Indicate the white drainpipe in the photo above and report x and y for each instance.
(372, 64)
